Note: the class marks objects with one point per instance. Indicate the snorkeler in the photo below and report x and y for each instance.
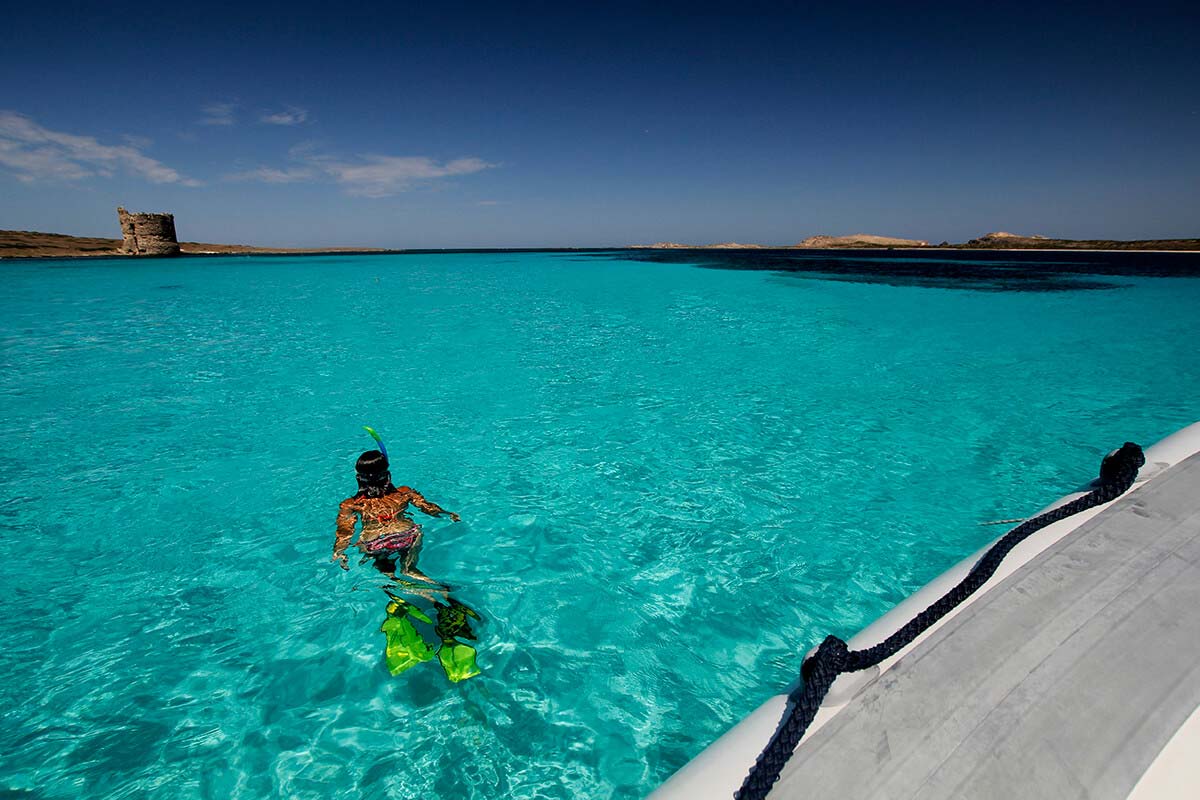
(389, 536)
(392, 539)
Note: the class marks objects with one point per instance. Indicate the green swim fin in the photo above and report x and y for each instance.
(457, 658)
(400, 607)
(405, 647)
(453, 622)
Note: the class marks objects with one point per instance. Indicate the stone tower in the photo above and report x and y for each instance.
(148, 234)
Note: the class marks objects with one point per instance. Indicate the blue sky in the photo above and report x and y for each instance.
(602, 124)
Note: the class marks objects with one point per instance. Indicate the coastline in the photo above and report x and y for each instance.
(1194, 247)
(356, 251)
(38, 245)
(946, 249)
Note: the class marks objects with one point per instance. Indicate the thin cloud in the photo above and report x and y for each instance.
(138, 142)
(218, 114)
(35, 153)
(272, 175)
(380, 176)
(291, 115)
(369, 176)
(303, 150)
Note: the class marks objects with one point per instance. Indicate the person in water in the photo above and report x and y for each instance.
(389, 535)
(392, 539)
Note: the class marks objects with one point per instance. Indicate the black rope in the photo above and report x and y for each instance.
(1117, 473)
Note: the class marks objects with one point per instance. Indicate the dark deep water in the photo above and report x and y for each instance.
(986, 270)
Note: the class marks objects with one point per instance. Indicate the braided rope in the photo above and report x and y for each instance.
(1117, 473)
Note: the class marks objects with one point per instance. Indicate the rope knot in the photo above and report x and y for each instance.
(1118, 464)
(832, 655)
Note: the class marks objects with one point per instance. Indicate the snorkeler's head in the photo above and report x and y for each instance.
(371, 469)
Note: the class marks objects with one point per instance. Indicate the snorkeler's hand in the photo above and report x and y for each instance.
(342, 559)
(454, 517)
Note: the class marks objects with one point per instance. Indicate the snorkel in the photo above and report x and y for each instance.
(371, 470)
(378, 440)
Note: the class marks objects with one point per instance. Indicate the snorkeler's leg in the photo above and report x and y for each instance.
(403, 582)
(409, 569)
(413, 572)
(410, 587)
(417, 589)
(405, 566)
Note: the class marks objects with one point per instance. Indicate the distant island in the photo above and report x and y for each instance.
(677, 246)
(859, 240)
(989, 241)
(1012, 241)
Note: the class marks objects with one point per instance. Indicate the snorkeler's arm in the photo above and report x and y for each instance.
(345, 532)
(430, 508)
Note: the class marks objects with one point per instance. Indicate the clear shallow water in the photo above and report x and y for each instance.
(673, 481)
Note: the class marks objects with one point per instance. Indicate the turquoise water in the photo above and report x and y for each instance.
(672, 480)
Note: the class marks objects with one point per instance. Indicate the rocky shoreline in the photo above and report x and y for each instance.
(35, 244)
